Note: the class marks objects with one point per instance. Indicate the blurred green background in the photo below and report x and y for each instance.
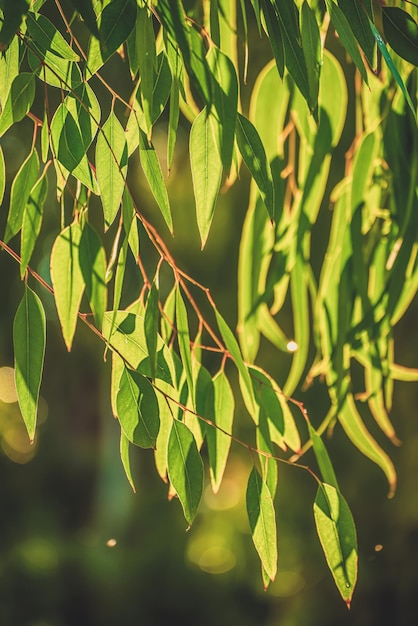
(77, 547)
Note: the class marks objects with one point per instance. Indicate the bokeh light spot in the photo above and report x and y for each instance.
(7, 385)
(292, 346)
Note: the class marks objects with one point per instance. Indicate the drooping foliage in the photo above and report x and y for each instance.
(190, 60)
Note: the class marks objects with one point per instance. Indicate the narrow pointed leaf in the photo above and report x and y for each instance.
(66, 138)
(254, 155)
(32, 220)
(125, 458)
(337, 534)
(355, 12)
(225, 101)
(322, 458)
(151, 325)
(343, 28)
(401, 31)
(185, 469)
(92, 259)
(48, 37)
(233, 349)
(13, 12)
(22, 185)
(152, 170)
(183, 338)
(137, 408)
(67, 279)
(262, 519)
(222, 414)
(85, 8)
(206, 167)
(111, 166)
(29, 336)
(117, 21)
(19, 101)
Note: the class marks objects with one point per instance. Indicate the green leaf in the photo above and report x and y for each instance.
(66, 138)
(147, 61)
(287, 13)
(244, 376)
(137, 409)
(48, 38)
(92, 260)
(312, 51)
(337, 534)
(343, 28)
(401, 31)
(126, 461)
(9, 69)
(206, 168)
(282, 426)
(13, 12)
(355, 12)
(262, 518)
(111, 166)
(125, 333)
(225, 101)
(85, 8)
(152, 170)
(183, 338)
(32, 220)
(53, 69)
(67, 279)
(185, 469)
(167, 410)
(275, 35)
(392, 67)
(29, 337)
(116, 23)
(83, 105)
(221, 412)
(19, 101)
(151, 325)
(22, 185)
(254, 155)
(322, 458)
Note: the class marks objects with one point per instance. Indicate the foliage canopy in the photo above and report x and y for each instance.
(191, 59)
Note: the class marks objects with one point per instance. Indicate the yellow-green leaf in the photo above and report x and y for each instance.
(29, 337)
(67, 279)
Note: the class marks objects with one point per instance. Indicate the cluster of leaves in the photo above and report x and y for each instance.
(188, 62)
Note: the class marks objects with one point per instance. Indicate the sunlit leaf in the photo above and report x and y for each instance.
(183, 338)
(337, 533)
(48, 37)
(206, 168)
(125, 458)
(262, 518)
(152, 170)
(22, 185)
(137, 409)
(19, 101)
(67, 279)
(225, 101)
(221, 412)
(32, 220)
(111, 166)
(126, 334)
(29, 337)
(151, 325)
(253, 153)
(2, 175)
(92, 259)
(244, 376)
(322, 458)
(185, 469)
(66, 138)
